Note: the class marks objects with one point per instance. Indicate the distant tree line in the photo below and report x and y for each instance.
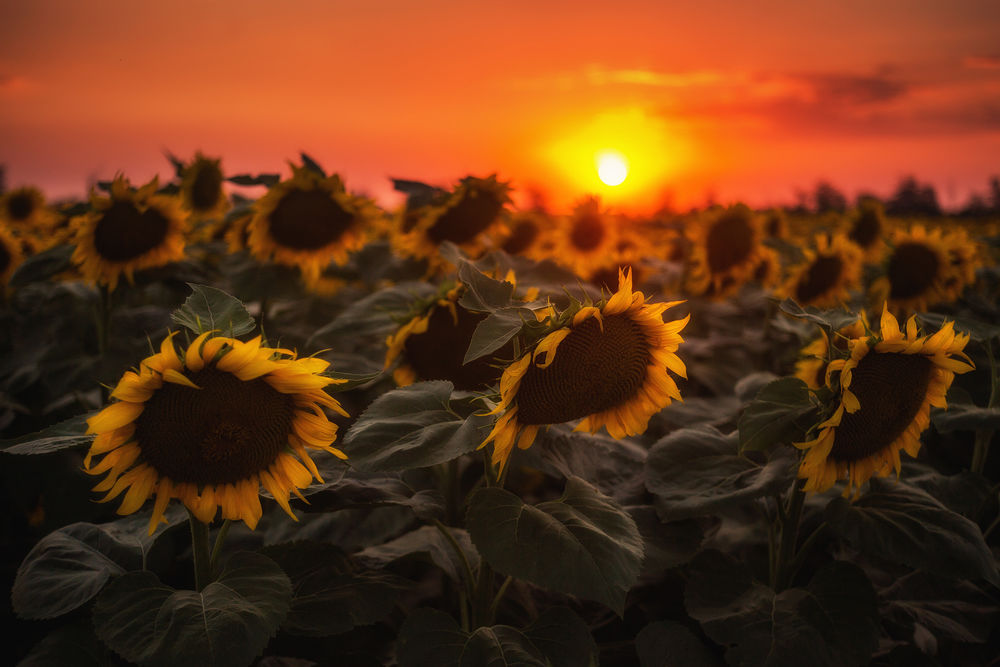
(910, 199)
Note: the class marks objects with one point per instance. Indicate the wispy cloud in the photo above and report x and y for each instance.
(982, 62)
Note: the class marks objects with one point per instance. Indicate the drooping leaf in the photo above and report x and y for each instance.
(667, 545)
(493, 332)
(583, 527)
(957, 610)
(374, 316)
(965, 417)
(670, 644)
(483, 294)
(832, 622)
(412, 427)
(328, 598)
(903, 524)
(73, 644)
(42, 266)
(780, 414)
(563, 638)
(964, 492)
(830, 320)
(697, 471)
(65, 434)
(67, 568)
(368, 490)
(500, 646)
(210, 309)
(227, 624)
(429, 638)
(428, 543)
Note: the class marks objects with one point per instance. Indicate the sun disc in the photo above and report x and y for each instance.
(612, 168)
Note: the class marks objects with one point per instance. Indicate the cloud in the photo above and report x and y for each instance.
(12, 84)
(991, 62)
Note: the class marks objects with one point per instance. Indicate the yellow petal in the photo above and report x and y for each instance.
(114, 416)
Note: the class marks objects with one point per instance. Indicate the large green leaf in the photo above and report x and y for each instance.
(903, 524)
(368, 490)
(69, 566)
(428, 543)
(73, 644)
(977, 329)
(829, 320)
(210, 309)
(583, 527)
(697, 471)
(328, 598)
(227, 624)
(670, 644)
(780, 414)
(375, 316)
(557, 638)
(495, 330)
(43, 265)
(412, 427)
(667, 545)
(966, 417)
(482, 293)
(957, 610)
(65, 434)
(832, 622)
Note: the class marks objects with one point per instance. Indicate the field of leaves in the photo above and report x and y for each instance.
(658, 514)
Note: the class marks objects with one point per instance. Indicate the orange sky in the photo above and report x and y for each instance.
(728, 100)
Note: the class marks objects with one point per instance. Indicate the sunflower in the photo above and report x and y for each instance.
(474, 210)
(607, 367)
(586, 237)
(868, 228)
(966, 256)
(308, 221)
(775, 224)
(811, 366)
(767, 273)
(25, 212)
(10, 255)
(726, 252)
(887, 387)
(527, 234)
(201, 188)
(211, 426)
(128, 231)
(918, 271)
(828, 274)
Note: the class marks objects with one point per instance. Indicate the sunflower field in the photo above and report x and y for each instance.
(257, 419)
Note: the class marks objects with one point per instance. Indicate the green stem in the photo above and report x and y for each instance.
(789, 535)
(803, 551)
(489, 473)
(984, 436)
(220, 539)
(484, 596)
(499, 596)
(451, 491)
(199, 552)
(469, 578)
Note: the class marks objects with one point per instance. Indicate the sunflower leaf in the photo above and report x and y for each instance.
(563, 638)
(67, 568)
(68, 433)
(965, 417)
(425, 543)
(583, 527)
(327, 597)
(495, 330)
(228, 623)
(670, 644)
(828, 320)
(210, 309)
(309, 163)
(374, 316)
(500, 645)
(42, 266)
(72, 644)
(781, 413)
(268, 180)
(958, 610)
(832, 622)
(905, 525)
(977, 329)
(696, 471)
(412, 427)
(482, 294)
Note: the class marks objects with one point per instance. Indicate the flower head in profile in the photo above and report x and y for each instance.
(201, 188)
(886, 388)
(210, 425)
(607, 368)
(128, 231)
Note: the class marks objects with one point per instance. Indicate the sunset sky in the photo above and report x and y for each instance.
(720, 100)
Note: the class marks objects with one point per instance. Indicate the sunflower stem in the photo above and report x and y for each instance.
(484, 596)
(803, 551)
(469, 578)
(789, 535)
(200, 552)
(985, 436)
(498, 597)
(220, 539)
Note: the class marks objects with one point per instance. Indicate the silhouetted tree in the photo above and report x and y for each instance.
(913, 199)
(994, 197)
(829, 199)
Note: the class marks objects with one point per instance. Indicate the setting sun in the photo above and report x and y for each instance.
(612, 167)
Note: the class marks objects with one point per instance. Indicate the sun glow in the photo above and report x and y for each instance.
(612, 167)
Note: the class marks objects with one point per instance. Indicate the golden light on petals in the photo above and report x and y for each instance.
(607, 368)
(886, 388)
(188, 427)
